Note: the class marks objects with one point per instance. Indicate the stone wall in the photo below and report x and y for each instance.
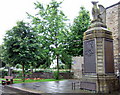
(77, 66)
(113, 24)
(50, 75)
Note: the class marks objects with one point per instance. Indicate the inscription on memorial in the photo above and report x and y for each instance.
(109, 57)
(89, 45)
(89, 56)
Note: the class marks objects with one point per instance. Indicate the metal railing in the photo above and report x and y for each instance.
(76, 84)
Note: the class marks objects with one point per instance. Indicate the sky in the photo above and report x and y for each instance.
(12, 11)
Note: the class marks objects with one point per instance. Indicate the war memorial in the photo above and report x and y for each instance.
(99, 58)
(98, 54)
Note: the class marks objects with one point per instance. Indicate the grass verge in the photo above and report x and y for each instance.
(32, 80)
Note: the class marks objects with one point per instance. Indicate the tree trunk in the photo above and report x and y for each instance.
(9, 72)
(57, 67)
(32, 70)
(23, 73)
(57, 55)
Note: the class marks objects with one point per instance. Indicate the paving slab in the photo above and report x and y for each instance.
(53, 87)
(46, 88)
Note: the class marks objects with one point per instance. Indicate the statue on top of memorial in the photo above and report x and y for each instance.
(98, 12)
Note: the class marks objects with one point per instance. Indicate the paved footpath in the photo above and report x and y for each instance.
(5, 91)
(44, 88)
(53, 87)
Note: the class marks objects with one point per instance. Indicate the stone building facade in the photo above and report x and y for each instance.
(113, 24)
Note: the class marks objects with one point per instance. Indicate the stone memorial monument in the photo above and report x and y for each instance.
(98, 54)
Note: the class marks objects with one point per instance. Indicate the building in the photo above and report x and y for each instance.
(113, 24)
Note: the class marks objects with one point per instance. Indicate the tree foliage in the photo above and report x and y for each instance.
(2, 64)
(21, 46)
(46, 38)
(50, 23)
(75, 38)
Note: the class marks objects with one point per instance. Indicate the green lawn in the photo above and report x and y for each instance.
(32, 80)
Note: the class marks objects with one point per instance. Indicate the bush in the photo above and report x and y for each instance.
(16, 74)
(4, 73)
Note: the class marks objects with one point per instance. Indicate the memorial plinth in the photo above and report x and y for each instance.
(98, 59)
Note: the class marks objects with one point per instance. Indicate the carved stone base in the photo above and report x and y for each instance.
(100, 83)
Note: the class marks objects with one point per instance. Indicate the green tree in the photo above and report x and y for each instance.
(21, 46)
(50, 23)
(75, 38)
(2, 64)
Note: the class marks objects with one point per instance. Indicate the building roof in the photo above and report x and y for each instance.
(113, 5)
